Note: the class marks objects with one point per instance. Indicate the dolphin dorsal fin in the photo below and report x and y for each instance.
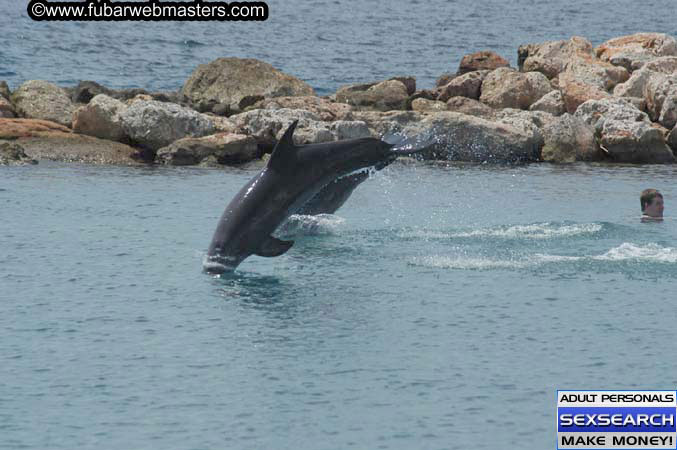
(284, 153)
(273, 247)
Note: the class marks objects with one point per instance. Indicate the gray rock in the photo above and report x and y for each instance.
(634, 142)
(525, 120)
(551, 102)
(461, 137)
(672, 139)
(469, 106)
(384, 96)
(42, 100)
(668, 117)
(596, 112)
(87, 90)
(383, 123)
(422, 104)
(267, 126)
(409, 82)
(469, 138)
(507, 88)
(550, 58)
(324, 109)
(223, 148)
(12, 154)
(444, 79)
(6, 108)
(101, 118)
(466, 85)
(568, 139)
(636, 84)
(349, 129)
(594, 72)
(229, 80)
(4, 90)
(659, 91)
(154, 124)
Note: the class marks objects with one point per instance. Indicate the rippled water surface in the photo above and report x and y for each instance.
(440, 302)
(324, 42)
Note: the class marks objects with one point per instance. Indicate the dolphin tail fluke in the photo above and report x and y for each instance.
(403, 145)
(273, 247)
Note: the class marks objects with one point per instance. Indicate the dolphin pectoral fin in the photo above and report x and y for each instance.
(273, 247)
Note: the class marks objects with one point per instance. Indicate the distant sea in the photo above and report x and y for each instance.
(326, 43)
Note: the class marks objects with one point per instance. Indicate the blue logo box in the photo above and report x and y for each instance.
(616, 419)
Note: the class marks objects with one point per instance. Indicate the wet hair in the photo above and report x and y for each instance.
(647, 197)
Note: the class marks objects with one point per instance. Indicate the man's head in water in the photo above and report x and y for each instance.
(652, 204)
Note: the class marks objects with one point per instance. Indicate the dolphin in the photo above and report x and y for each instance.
(307, 179)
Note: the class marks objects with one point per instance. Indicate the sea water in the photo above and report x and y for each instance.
(441, 307)
(326, 43)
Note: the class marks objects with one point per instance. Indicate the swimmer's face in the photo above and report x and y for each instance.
(655, 208)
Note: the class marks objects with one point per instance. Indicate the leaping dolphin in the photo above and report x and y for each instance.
(311, 179)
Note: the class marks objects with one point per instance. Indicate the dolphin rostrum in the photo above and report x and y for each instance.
(308, 179)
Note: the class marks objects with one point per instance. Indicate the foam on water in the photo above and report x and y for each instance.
(626, 252)
(321, 224)
(532, 231)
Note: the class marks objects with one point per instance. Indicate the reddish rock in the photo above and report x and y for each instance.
(484, 60)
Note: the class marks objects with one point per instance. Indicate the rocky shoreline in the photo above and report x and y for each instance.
(566, 101)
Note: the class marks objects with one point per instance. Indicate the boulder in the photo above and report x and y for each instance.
(87, 90)
(267, 127)
(232, 80)
(383, 123)
(425, 94)
(4, 90)
(422, 104)
(529, 121)
(568, 139)
(633, 51)
(590, 70)
(467, 85)
(550, 58)
(43, 100)
(153, 125)
(12, 154)
(469, 106)
(408, 82)
(551, 102)
(483, 60)
(672, 139)
(445, 78)
(636, 84)
(6, 108)
(596, 112)
(634, 142)
(101, 118)
(575, 93)
(43, 139)
(459, 137)
(384, 96)
(462, 137)
(507, 88)
(324, 109)
(668, 117)
(660, 94)
(223, 148)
